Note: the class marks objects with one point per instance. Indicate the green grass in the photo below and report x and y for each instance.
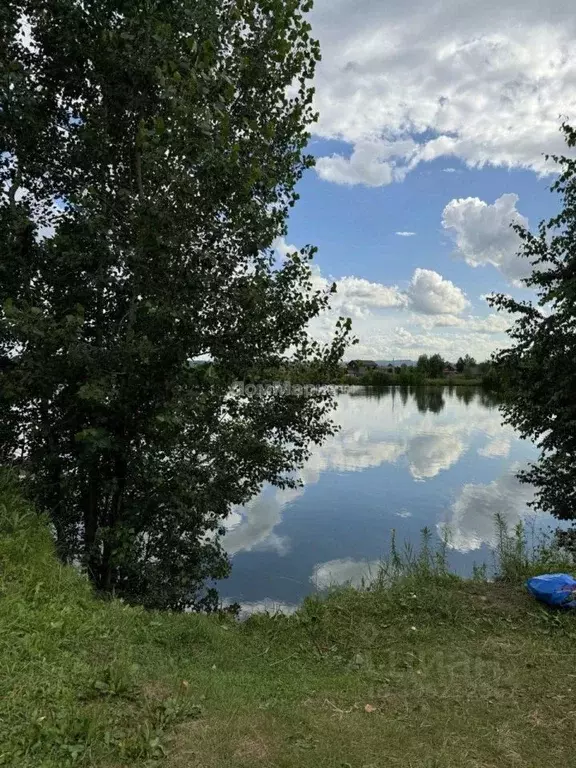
(419, 670)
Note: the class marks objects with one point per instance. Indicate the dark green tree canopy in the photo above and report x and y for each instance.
(432, 365)
(539, 368)
(149, 156)
(464, 364)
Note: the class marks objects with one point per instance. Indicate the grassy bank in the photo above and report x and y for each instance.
(429, 671)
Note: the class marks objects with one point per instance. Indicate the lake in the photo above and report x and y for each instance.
(403, 459)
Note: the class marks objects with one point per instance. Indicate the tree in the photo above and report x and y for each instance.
(539, 368)
(436, 365)
(464, 364)
(149, 159)
(422, 364)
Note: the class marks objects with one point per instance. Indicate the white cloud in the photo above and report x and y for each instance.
(355, 573)
(482, 82)
(405, 234)
(386, 331)
(264, 606)
(386, 337)
(431, 294)
(252, 526)
(483, 233)
(490, 324)
(431, 453)
(373, 163)
(363, 293)
(391, 322)
(497, 448)
(471, 523)
(427, 293)
(283, 248)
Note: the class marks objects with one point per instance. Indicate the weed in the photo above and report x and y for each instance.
(418, 668)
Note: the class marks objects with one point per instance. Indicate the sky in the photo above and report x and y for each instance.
(434, 121)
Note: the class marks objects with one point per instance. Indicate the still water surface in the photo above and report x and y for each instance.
(402, 460)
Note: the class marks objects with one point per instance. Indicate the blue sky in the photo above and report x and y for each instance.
(434, 120)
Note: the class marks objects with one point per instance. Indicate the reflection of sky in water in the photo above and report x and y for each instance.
(400, 461)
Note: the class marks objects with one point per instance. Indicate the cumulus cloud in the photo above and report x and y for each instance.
(355, 573)
(490, 324)
(428, 293)
(372, 163)
(431, 453)
(431, 294)
(405, 234)
(283, 248)
(252, 526)
(394, 323)
(497, 448)
(483, 233)
(407, 82)
(471, 522)
(357, 290)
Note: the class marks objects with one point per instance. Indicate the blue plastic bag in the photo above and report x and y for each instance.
(556, 589)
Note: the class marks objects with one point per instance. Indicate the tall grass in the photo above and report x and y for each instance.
(524, 552)
(409, 562)
(519, 553)
(418, 668)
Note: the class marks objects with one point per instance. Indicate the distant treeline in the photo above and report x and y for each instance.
(433, 369)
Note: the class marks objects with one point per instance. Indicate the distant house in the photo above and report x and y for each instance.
(449, 370)
(359, 367)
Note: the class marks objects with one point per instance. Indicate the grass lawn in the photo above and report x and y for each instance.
(433, 672)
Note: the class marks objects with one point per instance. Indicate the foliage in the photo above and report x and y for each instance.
(149, 159)
(539, 368)
(381, 377)
(432, 366)
(94, 684)
(525, 552)
(465, 364)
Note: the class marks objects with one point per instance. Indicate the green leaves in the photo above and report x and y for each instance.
(538, 370)
(92, 391)
(93, 438)
(171, 181)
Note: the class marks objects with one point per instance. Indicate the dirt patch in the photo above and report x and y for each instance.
(155, 691)
(252, 749)
(213, 743)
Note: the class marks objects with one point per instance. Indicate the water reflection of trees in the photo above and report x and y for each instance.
(427, 399)
(465, 394)
(372, 393)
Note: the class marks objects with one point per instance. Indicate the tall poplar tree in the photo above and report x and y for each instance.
(149, 155)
